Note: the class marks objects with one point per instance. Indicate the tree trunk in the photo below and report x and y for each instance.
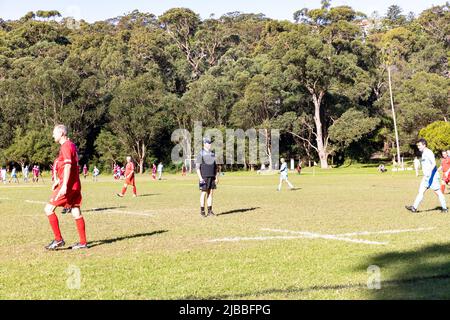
(323, 153)
(269, 149)
(141, 160)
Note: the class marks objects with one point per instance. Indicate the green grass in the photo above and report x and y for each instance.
(165, 254)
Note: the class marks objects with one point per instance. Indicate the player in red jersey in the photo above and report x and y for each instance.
(66, 190)
(85, 171)
(129, 178)
(154, 171)
(445, 166)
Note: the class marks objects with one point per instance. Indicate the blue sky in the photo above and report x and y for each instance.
(93, 10)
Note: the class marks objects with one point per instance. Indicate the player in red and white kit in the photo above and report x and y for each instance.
(445, 167)
(129, 178)
(66, 190)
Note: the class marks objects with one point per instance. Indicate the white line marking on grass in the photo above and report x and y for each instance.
(363, 233)
(38, 202)
(5, 199)
(146, 214)
(229, 185)
(310, 236)
(235, 239)
(326, 236)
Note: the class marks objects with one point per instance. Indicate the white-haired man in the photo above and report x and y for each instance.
(66, 190)
(129, 178)
(284, 175)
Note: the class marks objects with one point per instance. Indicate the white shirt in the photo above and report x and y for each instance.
(428, 162)
(284, 169)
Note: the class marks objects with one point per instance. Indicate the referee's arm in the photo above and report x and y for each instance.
(199, 174)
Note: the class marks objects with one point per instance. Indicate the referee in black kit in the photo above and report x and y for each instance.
(208, 175)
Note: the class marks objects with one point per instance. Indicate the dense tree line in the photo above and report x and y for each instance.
(124, 84)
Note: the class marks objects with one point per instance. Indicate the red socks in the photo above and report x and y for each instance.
(123, 190)
(134, 190)
(81, 230)
(443, 188)
(53, 219)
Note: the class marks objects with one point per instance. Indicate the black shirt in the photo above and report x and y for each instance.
(206, 161)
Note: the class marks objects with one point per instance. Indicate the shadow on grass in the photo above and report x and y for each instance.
(238, 211)
(148, 195)
(423, 273)
(293, 290)
(434, 209)
(103, 209)
(112, 240)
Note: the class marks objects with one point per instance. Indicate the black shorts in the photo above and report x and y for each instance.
(210, 183)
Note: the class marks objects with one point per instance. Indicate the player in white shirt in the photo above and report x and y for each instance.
(95, 173)
(430, 178)
(284, 175)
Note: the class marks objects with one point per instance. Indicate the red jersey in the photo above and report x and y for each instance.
(129, 168)
(68, 155)
(445, 163)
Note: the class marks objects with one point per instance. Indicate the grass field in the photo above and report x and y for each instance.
(157, 246)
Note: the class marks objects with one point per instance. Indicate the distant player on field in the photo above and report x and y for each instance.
(25, 173)
(3, 174)
(154, 171)
(38, 173)
(445, 167)
(129, 178)
(299, 167)
(85, 171)
(66, 190)
(430, 178)
(160, 170)
(13, 175)
(95, 174)
(35, 178)
(284, 175)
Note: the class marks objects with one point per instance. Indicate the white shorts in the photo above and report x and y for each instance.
(283, 177)
(435, 183)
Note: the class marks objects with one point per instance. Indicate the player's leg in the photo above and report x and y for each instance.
(54, 223)
(134, 189)
(441, 200)
(419, 197)
(124, 189)
(210, 202)
(279, 185)
(81, 228)
(291, 186)
(203, 195)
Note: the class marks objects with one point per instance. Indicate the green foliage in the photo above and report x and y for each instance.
(109, 148)
(33, 147)
(351, 127)
(437, 135)
(122, 85)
